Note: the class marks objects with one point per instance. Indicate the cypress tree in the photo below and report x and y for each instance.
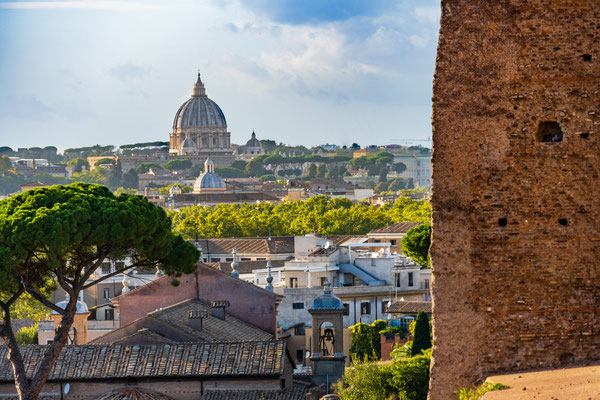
(422, 337)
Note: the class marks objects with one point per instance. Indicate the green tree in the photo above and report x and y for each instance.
(27, 335)
(321, 170)
(422, 336)
(230, 172)
(103, 161)
(381, 187)
(79, 163)
(366, 381)
(178, 165)
(145, 167)
(396, 185)
(311, 171)
(63, 234)
(130, 179)
(267, 178)
(255, 168)
(415, 244)
(239, 164)
(410, 377)
(5, 165)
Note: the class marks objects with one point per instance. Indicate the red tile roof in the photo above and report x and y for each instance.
(400, 227)
(410, 307)
(89, 362)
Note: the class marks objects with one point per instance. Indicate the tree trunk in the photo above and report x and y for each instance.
(29, 389)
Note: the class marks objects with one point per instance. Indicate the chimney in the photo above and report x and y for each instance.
(217, 308)
(195, 319)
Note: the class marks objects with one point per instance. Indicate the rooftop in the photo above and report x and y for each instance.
(260, 245)
(400, 227)
(176, 316)
(409, 307)
(263, 358)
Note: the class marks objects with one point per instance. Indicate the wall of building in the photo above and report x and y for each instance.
(248, 303)
(516, 220)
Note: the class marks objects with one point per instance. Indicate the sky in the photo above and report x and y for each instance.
(84, 72)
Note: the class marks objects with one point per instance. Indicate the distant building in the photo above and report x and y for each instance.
(32, 185)
(253, 146)
(200, 128)
(208, 181)
(392, 234)
(418, 168)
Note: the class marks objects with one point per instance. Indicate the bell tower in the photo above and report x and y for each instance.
(327, 354)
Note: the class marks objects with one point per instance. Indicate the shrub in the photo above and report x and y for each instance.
(27, 335)
(469, 394)
(422, 335)
(410, 377)
(366, 381)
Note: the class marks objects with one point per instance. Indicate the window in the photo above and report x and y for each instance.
(229, 259)
(106, 294)
(346, 309)
(246, 259)
(109, 314)
(261, 259)
(299, 330)
(323, 280)
(293, 282)
(426, 283)
(398, 280)
(105, 268)
(383, 307)
(215, 259)
(365, 308)
(49, 341)
(372, 262)
(410, 279)
(393, 242)
(298, 306)
(377, 241)
(300, 355)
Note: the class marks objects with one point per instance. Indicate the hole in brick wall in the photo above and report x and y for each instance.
(587, 57)
(516, 107)
(563, 221)
(549, 132)
(502, 221)
(566, 358)
(584, 135)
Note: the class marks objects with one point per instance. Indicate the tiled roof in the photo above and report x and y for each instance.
(297, 392)
(134, 393)
(246, 267)
(260, 245)
(324, 251)
(400, 227)
(213, 329)
(410, 307)
(159, 360)
(341, 240)
(143, 335)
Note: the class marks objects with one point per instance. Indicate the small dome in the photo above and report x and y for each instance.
(253, 142)
(327, 301)
(208, 180)
(188, 143)
(82, 308)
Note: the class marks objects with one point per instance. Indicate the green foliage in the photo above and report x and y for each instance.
(230, 172)
(365, 342)
(96, 150)
(119, 191)
(5, 164)
(415, 244)
(184, 189)
(239, 164)
(143, 145)
(27, 335)
(377, 164)
(79, 163)
(410, 377)
(178, 165)
(49, 179)
(321, 170)
(470, 394)
(267, 178)
(130, 179)
(255, 168)
(5, 150)
(146, 166)
(318, 214)
(366, 381)
(9, 182)
(422, 335)
(311, 171)
(104, 161)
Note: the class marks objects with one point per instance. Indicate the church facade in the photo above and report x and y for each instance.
(200, 130)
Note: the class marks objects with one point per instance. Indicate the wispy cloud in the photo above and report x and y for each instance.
(79, 4)
(129, 71)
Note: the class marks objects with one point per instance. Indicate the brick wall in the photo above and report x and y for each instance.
(516, 212)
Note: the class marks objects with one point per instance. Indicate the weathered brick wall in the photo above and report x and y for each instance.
(516, 223)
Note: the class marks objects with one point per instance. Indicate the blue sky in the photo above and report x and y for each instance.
(82, 72)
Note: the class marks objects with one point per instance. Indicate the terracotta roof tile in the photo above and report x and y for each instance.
(134, 393)
(261, 245)
(400, 227)
(265, 358)
(410, 307)
(297, 392)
